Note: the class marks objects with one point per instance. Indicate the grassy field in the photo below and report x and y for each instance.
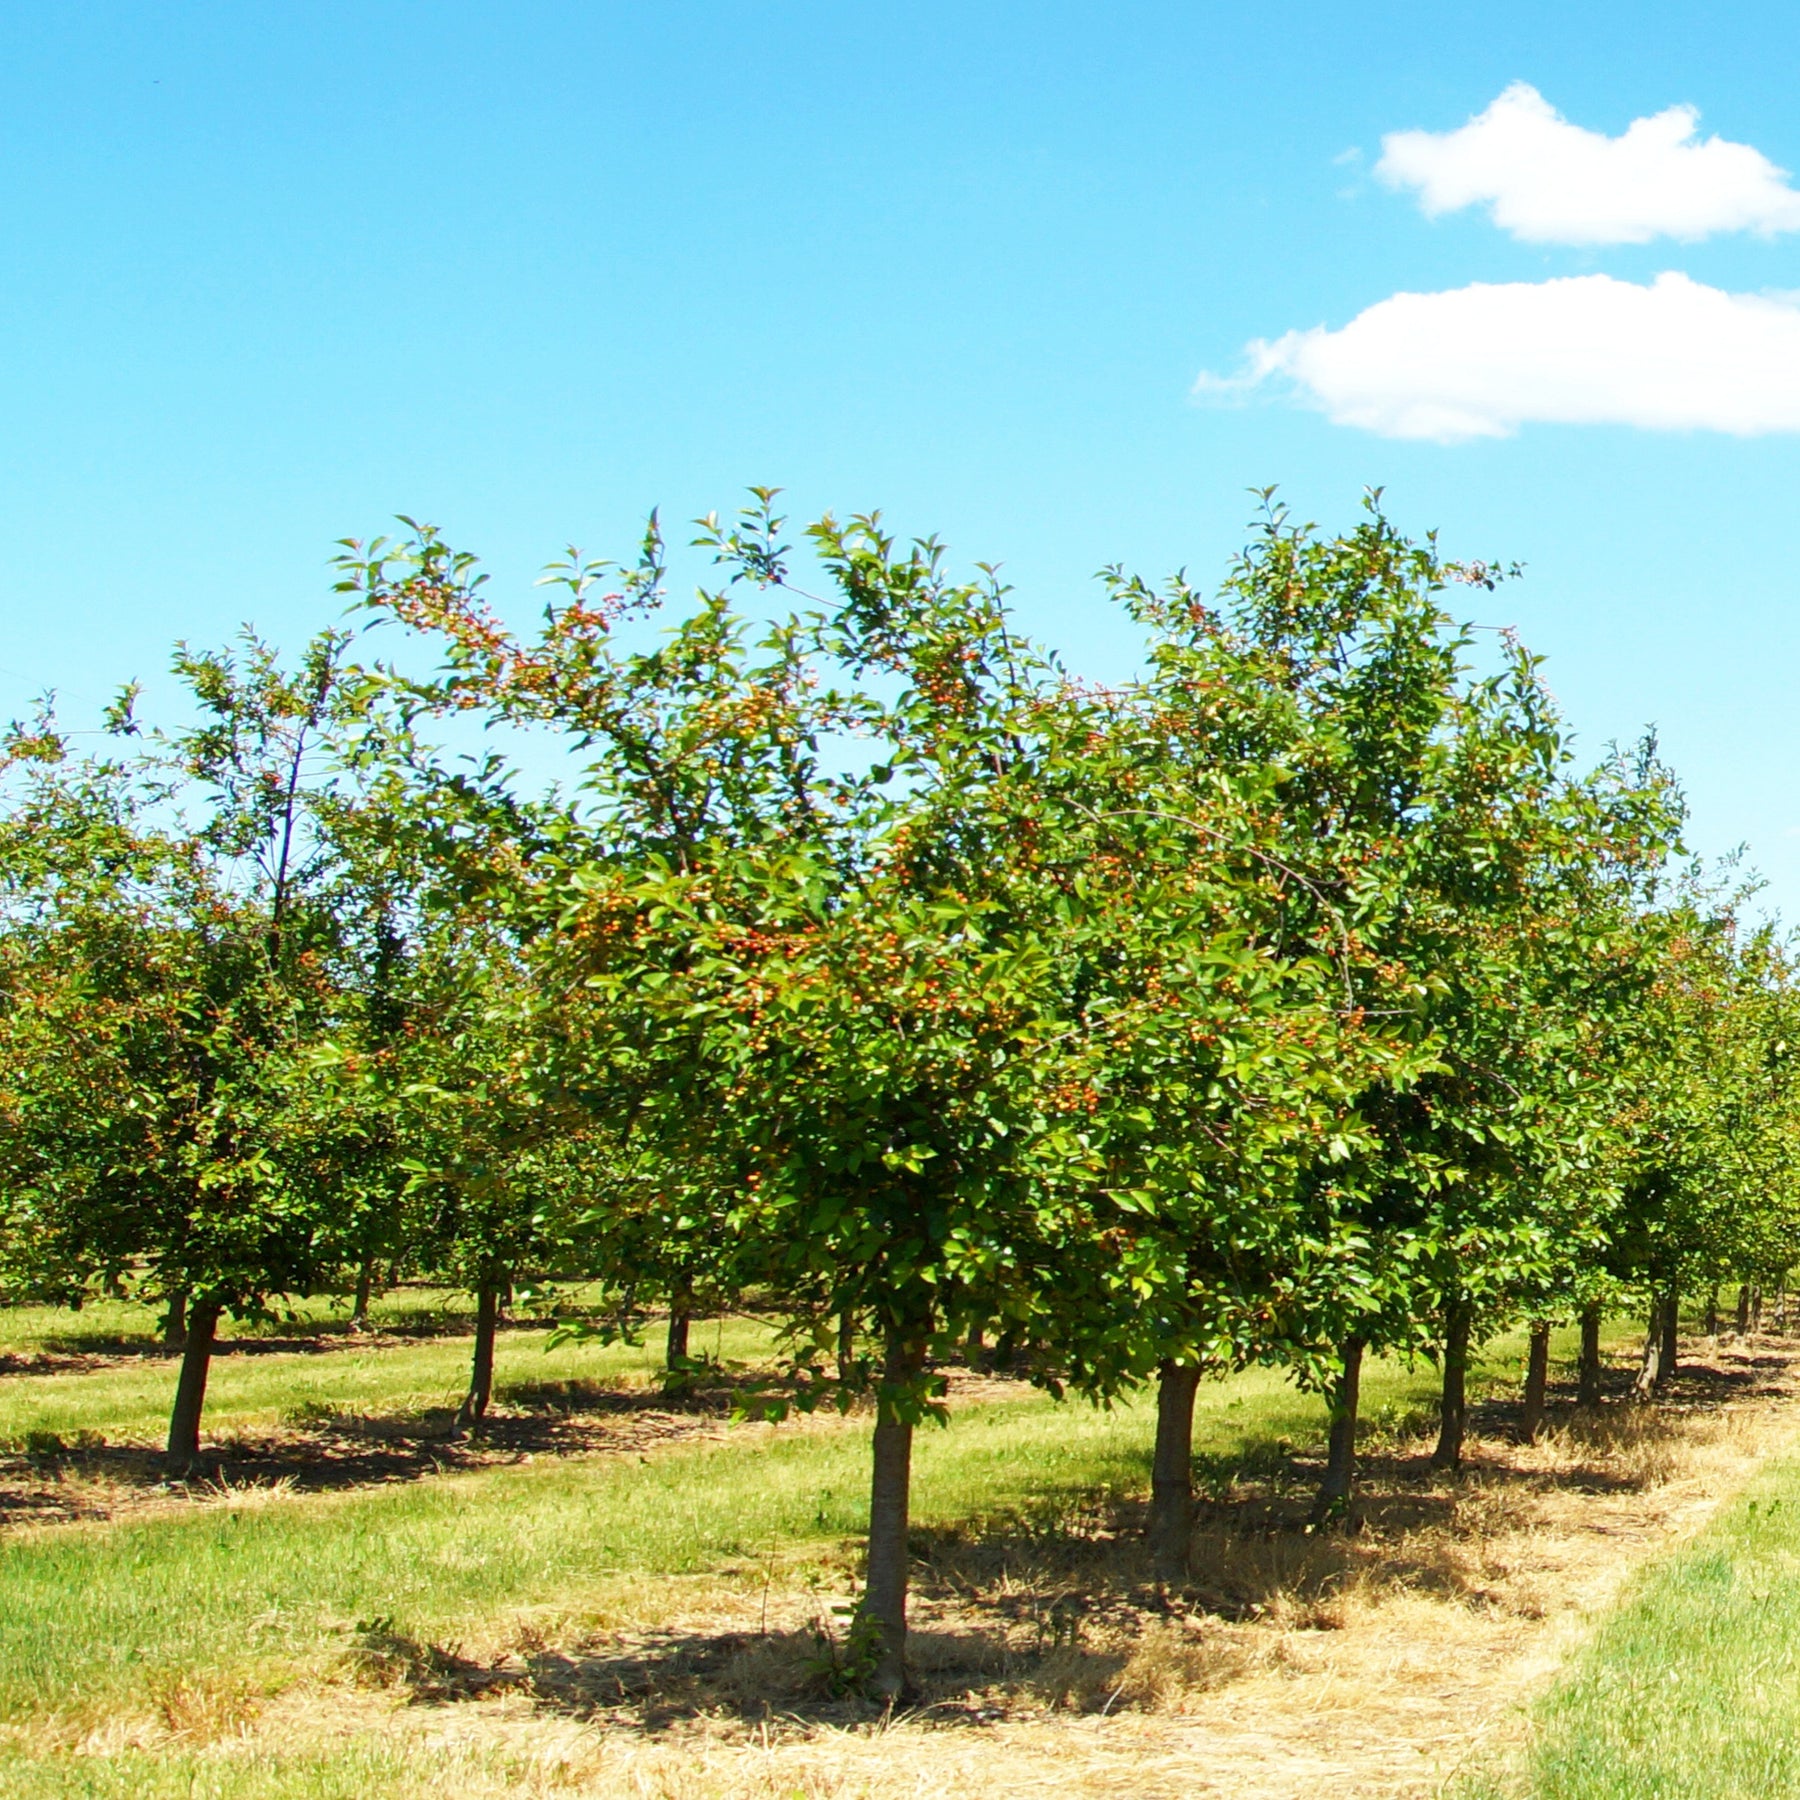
(103, 1326)
(254, 1387)
(220, 1645)
(1691, 1690)
(207, 1613)
(86, 1612)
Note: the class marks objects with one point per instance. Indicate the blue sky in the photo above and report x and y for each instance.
(275, 273)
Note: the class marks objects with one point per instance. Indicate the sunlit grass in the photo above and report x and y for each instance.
(86, 1610)
(1691, 1690)
(128, 1401)
(261, 1593)
(103, 1326)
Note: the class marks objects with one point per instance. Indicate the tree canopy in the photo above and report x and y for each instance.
(1299, 996)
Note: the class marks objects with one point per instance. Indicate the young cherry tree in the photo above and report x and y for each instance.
(84, 974)
(677, 746)
(842, 984)
(485, 1171)
(1238, 903)
(184, 984)
(1313, 713)
(1407, 827)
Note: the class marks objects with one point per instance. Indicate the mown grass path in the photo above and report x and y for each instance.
(1691, 1689)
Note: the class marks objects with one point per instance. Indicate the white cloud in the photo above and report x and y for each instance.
(1481, 361)
(1550, 182)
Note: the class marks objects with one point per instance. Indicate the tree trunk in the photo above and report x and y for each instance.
(846, 1346)
(1587, 1371)
(174, 1325)
(1340, 1455)
(680, 1322)
(481, 1371)
(1756, 1299)
(1671, 1333)
(1654, 1368)
(190, 1389)
(1537, 1377)
(1743, 1310)
(1172, 1475)
(365, 1284)
(1453, 1413)
(884, 1586)
(1712, 1313)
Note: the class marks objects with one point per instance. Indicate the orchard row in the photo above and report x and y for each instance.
(1298, 998)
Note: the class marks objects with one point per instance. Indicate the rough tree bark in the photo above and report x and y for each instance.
(190, 1388)
(1587, 1370)
(1172, 1475)
(365, 1287)
(1671, 1333)
(1340, 1454)
(481, 1370)
(1743, 1310)
(884, 1586)
(1537, 1378)
(1659, 1343)
(681, 1316)
(1650, 1366)
(1453, 1411)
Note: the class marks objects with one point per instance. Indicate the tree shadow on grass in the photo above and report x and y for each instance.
(1053, 1606)
(655, 1681)
(45, 1477)
(81, 1352)
(1010, 1619)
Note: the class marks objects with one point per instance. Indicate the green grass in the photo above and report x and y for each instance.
(1691, 1690)
(85, 1611)
(129, 1401)
(93, 1618)
(104, 1325)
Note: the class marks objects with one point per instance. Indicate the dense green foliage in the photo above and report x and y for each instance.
(1299, 997)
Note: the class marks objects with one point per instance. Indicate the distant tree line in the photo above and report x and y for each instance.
(1298, 999)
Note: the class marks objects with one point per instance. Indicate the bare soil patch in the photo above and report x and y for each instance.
(1374, 1661)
